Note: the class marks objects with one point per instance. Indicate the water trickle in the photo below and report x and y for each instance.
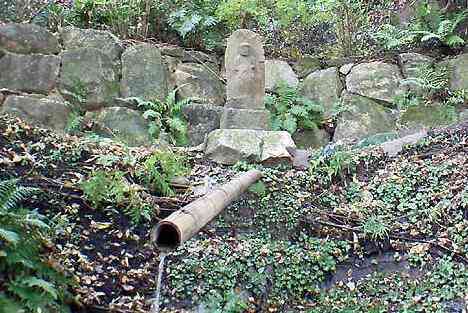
(157, 295)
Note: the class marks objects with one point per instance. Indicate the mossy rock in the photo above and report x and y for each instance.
(428, 116)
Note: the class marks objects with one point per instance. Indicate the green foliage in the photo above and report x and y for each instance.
(292, 270)
(290, 111)
(229, 303)
(160, 168)
(258, 188)
(375, 228)
(438, 288)
(334, 164)
(430, 24)
(391, 37)
(110, 187)
(432, 80)
(31, 284)
(166, 116)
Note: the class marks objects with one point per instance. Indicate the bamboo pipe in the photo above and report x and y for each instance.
(186, 222)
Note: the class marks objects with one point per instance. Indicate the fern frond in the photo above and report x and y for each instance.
(11, 194)
(9, 236)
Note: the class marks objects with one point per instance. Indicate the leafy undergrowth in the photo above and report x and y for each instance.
(296, 242)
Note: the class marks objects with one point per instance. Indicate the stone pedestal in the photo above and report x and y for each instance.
(245, 119)
(229, 146)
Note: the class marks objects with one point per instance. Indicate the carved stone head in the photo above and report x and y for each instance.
(244, 49)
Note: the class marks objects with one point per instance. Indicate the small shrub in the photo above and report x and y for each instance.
(31, 284)
(160, 168)
(375, 228)
(166, 116)
(104, 188)
(290, 111)
(333, 163)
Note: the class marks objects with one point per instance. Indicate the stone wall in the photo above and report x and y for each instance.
(95, 72)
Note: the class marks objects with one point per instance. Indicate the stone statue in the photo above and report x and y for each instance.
(245, 69)
(245, 73)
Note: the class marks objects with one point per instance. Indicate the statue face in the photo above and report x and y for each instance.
(244, 49)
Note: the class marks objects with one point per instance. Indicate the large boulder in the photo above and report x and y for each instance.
(363, 118)
(311, 138)
(422, 116)
(120, 123)
(410, 62)
(277, 72)
(27, 38)
(459, 72)
(35, 73)
(143, 73)
(88, 78)
(104, 41)
(306, 65)
(324, 87)
(201, 82)
(376, 80)
(275, 147)
(229, 146)
(50, 112)
(202, 119)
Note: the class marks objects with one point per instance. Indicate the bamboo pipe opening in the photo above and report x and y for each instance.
(167, 236)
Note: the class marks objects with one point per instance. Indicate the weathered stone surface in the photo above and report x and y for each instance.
(459, 72)
(199, 81)
(104, 41)
(410, 62)
(27, 38)
(122, 124)
(311, 138)
(35, 73)
(428, 116)
(245, 71)
(365, 118)
(277, 72)
(345, 69)
(463, 115)
(376, 139)
(49, 112)
(193, 56)
(173, 51)
(89, 73)
(2, 98)
(324, 87)
(393, 147)
(275, 146)
(171, 64)
(202, 119)
(375, 80)
(228, 146)
(245, 119)
(306, 65)
(143, 73)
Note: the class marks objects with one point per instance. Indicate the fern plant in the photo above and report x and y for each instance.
(103, 188)
(445, 30)
(30, 284)
(433, 81)
(160, 168)
(290, 111)
(166, 116)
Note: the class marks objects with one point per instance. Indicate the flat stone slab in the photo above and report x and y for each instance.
(50, 112)
(34, 73)
(229, 146)
(245, 119)
(143, 73)
(27, 38)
